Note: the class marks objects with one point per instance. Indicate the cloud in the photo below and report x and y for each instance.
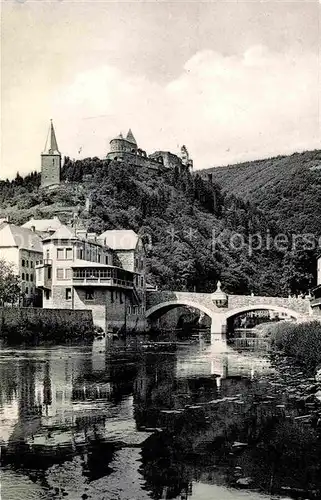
(224, 108)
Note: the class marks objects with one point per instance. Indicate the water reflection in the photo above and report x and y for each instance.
(189, 424)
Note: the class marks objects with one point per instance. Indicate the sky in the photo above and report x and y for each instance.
(232, 81)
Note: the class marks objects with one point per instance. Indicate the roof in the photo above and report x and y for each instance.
(19, 237)
(120, 136)
(120, 239)
(62, 233)
(67, 233)
(44, 225)
(88, 264)
(130, 137)
(51, 146)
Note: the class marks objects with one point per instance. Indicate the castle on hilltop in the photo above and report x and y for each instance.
(126, 149)
(121, 149)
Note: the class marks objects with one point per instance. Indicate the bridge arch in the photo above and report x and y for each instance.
(258, 307)
(171, 304)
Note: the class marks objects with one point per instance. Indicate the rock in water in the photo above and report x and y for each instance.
(318, 374)
(244, 482)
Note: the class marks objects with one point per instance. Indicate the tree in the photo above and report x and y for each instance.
(10, 291)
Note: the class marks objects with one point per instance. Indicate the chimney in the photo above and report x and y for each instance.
(33, 229)
(81, 233)
(92, 236)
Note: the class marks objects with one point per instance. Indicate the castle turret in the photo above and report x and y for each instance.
(120, 147)
(186, 161)
(130, 137)
(50, 160)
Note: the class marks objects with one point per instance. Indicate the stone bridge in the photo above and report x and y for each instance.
(159, 302)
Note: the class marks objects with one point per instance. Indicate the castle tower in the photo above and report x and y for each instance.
(186, 161)
(50, 160)
(130, 138)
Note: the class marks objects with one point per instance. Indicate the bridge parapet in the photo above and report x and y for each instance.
(301, 306)
(159, 297)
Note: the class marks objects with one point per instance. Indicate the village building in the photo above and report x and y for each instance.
(79, 270)
(22, 247)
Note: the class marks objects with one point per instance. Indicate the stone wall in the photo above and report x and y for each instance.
(109, 310)
(50, 170)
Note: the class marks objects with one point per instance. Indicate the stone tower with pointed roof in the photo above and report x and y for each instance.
(50, 160)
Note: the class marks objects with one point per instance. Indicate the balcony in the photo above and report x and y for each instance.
(101, 277)
(44, 274)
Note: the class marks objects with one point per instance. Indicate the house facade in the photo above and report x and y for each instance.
(79, 270)
(22, 247)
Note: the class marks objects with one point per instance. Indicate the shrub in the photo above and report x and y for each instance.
(301, 341)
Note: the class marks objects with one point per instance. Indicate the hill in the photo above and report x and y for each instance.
(196, 233)
(287, 189)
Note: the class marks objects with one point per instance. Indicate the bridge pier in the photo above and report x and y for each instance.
(218, 328)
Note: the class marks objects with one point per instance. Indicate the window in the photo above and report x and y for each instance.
(31, 277)
(136, 263)
(31, 264)
(68, 294)
(106, 259)
(99, 257)
(141, 281)
(27, 263)
(60, 253)
(49, 273)
(60, 274)
(27, 277)
(47, 254)
(23, 262)
(68, 274)
(47, 294)
(89, 295)
(80, 253)
(23, 276)
(68, 253)
(27, 291)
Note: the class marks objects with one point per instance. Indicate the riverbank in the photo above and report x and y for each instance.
(300, 341)
(29, 325)
(296, 356)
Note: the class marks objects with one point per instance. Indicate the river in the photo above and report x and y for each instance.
(92, 422)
